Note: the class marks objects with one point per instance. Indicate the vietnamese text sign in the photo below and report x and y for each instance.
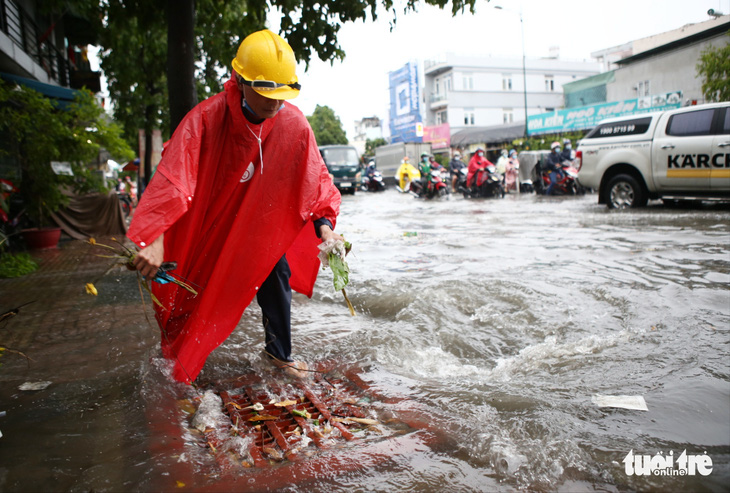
(439, 136)
(587, 117)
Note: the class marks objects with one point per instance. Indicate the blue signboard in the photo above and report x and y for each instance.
(405, 108)
(587, 117)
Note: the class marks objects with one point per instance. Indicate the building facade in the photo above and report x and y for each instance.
(44, 47)
(470, 92)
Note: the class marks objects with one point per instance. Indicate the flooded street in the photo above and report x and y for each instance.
(497, 321)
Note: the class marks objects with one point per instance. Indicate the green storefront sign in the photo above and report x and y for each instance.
(586, 117)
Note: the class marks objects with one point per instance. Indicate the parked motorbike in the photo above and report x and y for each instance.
(373, 183)
(435, 187)
(126, 202)
(567, 185)
(487, 183)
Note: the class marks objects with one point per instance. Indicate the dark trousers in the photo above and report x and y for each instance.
(274, 298)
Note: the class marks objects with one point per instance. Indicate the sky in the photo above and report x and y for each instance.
(358, 86)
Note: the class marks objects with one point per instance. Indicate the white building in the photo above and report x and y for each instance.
(484, 91)
(369, 128)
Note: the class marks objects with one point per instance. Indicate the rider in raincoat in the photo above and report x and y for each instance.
(238, 201)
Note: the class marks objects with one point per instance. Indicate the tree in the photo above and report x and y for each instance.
(371, 144)
(327, 126)
(714, 69)
(135, 40)
(38, 130)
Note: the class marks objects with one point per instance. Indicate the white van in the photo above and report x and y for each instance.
(677, 154)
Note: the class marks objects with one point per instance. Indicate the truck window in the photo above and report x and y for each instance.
(341, 156)
(691, 123)
(627, 127)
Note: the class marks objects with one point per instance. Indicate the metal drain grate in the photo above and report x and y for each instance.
(293, 422)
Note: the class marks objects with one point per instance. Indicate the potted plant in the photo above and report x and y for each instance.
(38, 131)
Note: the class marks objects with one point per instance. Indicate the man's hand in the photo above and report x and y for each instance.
(149, 259)
(326, 233)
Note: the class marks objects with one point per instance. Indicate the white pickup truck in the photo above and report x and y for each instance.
(681, 154)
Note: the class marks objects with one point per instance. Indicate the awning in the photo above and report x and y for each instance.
(63, 94)
(495, 134)
(132, 165)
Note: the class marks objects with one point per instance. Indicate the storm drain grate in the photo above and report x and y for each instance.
(267, 423)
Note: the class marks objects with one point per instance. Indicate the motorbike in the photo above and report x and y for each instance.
(487, 183)
(435, 187)
(373, 183)
(126, 202)
(567, 185)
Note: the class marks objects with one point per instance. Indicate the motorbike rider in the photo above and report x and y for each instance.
(567, 150)
(511, 174)
(370, 170)
(501, 163)
(554, 165)
(455, 166)
(424, 166)
(477, 162)
(406, 174)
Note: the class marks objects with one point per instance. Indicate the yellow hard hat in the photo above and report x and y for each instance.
(266, 62)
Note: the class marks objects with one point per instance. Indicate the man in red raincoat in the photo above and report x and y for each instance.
(477, 162)
(238, 201)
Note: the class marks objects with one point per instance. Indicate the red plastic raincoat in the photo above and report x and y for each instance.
(475, 164)
(227, 219)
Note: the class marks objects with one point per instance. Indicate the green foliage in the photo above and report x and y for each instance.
(16, 265)
(714, 69)
(372, 144)
(38, 132)
(327, 126)
(541, 142)
(133, 34)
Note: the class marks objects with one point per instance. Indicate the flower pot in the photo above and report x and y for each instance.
(39, 238)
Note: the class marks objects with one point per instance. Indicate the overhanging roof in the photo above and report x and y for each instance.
(709, 33)
(488, 135)
(63, 94)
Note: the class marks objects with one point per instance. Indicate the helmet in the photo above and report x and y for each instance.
(512, 152)
(457, 154)
(267, 58)
(554, 145)
(566, 141)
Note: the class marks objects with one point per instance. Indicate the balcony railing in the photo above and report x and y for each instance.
(20, 27)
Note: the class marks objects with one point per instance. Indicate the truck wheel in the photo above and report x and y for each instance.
(623, 192)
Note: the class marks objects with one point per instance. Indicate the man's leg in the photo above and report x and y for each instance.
(274, 298)
(553, 181)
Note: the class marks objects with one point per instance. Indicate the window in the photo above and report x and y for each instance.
(468, 82)
(448, 83)
(441, 117)
(643, 88)
(468, 116)
(726, 126)
(627, 127)
(506, 82)
(549, 83)
(507, 115)
(691, 123)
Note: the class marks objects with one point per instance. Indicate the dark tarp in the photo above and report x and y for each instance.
(495, 134)
(92, 215)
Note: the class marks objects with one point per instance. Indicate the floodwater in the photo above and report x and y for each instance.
(499, 321)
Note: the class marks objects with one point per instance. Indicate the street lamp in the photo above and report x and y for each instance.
(524, 71)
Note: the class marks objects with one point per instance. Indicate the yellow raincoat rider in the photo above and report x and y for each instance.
(406, 173)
